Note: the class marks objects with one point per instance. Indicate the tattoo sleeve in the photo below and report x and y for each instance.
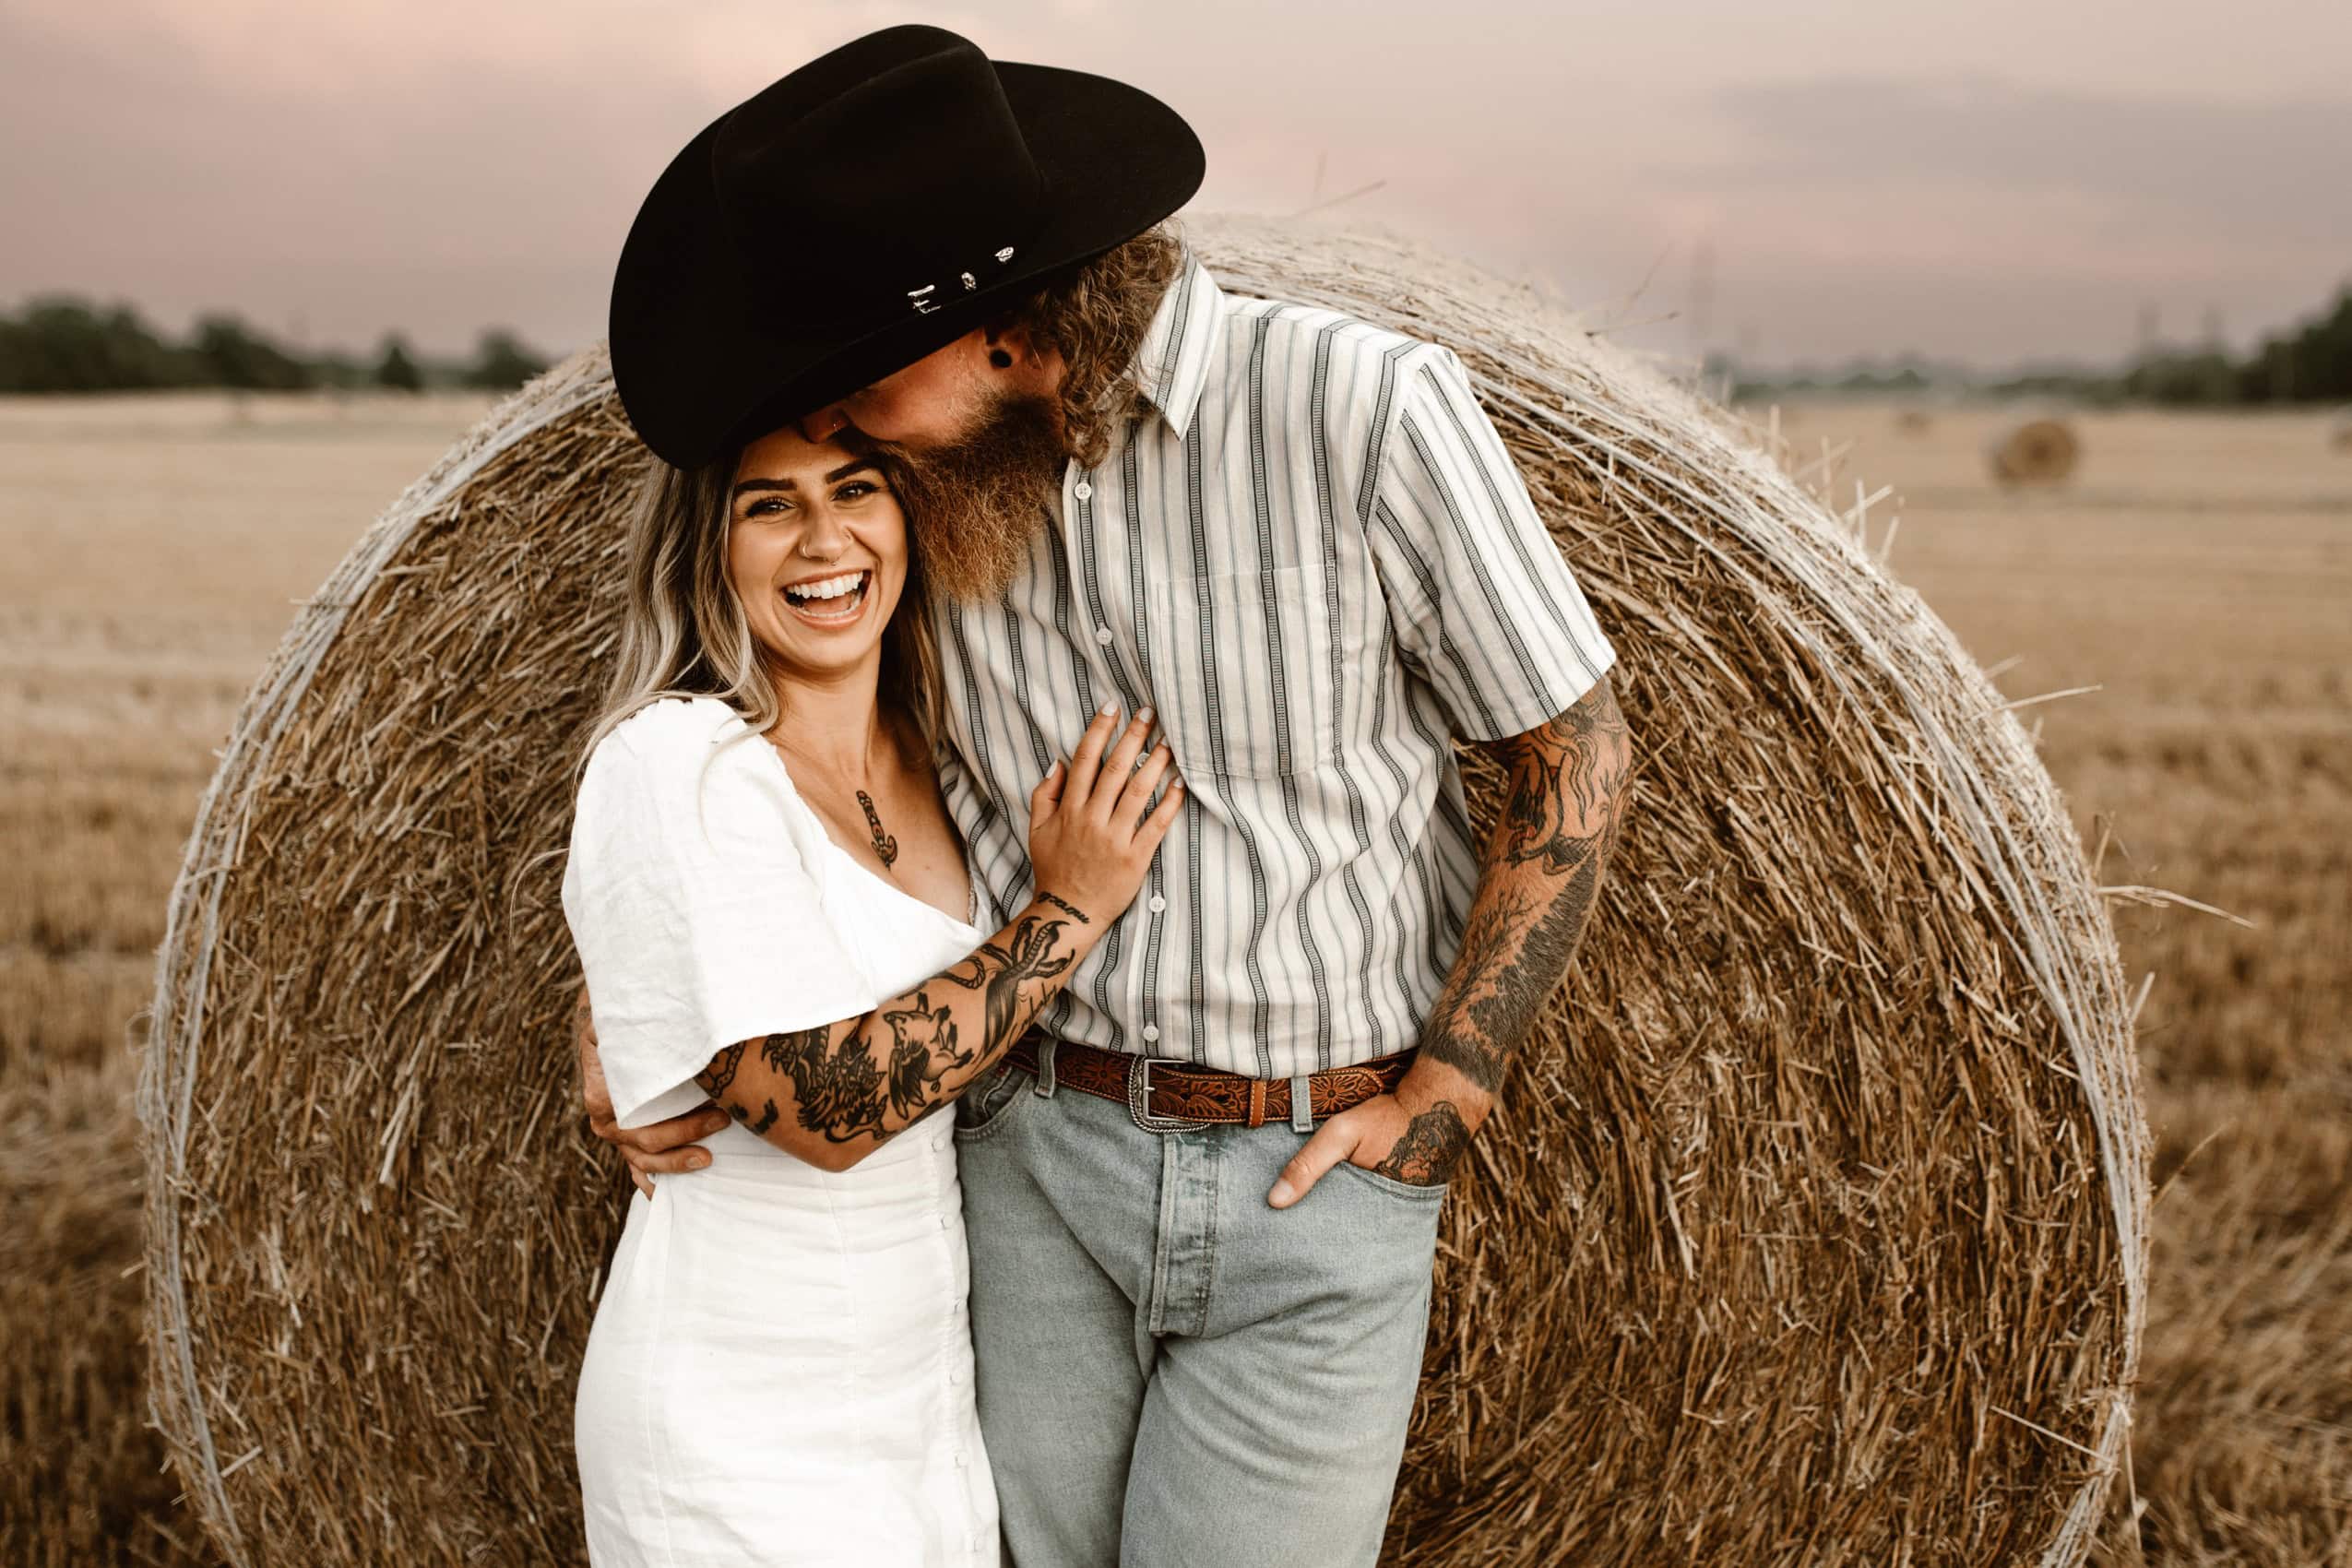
(1540, 873)
(860, 1081)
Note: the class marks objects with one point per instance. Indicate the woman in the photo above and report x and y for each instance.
(771, 909)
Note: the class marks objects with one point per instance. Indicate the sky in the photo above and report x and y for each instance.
(1989, 183)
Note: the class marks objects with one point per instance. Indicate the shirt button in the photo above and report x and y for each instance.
(1085, 492)
(1102, 636)
(1157, 904)
(1151, 1031)
(942, 1222)
(959, 1459)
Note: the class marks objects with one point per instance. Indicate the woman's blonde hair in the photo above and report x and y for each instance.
(683, 632)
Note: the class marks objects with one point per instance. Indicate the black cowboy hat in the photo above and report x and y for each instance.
(875, 205)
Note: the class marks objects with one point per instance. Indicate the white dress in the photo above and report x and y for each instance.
(780, 1369)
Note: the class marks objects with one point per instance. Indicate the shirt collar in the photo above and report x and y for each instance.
(1172, 366)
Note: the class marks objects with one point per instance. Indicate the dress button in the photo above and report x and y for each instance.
(1151, 1031)
(1102, 636)
(1085, 492)
(1157, 905)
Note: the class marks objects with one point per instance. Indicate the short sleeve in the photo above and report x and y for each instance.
(698, 917)
(1477, 592)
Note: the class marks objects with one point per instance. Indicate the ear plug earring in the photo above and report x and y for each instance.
(1000, 359)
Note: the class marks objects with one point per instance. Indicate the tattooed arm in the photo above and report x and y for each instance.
(1539, 874)
(833, 1094)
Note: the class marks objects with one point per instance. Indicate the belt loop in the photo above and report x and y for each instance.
(1045, 1065)
(1302, 1104)
(1257, 1102)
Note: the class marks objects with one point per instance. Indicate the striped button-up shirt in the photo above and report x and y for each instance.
(1312, 558)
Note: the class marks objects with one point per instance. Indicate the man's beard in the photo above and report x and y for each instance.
(975, 504)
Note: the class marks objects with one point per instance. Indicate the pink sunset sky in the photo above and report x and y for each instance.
(1988, 182)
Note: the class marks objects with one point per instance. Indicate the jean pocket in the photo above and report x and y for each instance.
(1408, 1191)
(989, 1100)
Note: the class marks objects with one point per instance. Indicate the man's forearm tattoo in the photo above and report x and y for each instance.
(1486, 968)
(1431, 1147)
(1560, 811)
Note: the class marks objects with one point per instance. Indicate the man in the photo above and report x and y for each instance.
(1201, 1199)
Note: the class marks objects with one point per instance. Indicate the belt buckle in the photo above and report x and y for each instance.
(1139, 1097)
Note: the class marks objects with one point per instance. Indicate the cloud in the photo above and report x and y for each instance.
(2171, 165)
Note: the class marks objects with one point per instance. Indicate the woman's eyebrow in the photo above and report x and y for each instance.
(855, 464)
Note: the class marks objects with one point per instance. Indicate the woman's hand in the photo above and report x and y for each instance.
(1092, 826)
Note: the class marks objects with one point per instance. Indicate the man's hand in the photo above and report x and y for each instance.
(657, 1150)
(1385, 1136)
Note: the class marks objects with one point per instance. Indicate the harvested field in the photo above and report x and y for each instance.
(2198, 568)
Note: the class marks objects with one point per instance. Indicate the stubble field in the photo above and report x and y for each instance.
(2198, 570)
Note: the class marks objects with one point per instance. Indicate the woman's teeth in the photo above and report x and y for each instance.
(830, 597)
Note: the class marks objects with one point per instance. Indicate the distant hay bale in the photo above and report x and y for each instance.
(2339, 433)
(1812, 1229)
(2034, 451)
(1913, 421)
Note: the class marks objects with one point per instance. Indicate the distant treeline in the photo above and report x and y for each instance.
(2310, 364)
(62, 344)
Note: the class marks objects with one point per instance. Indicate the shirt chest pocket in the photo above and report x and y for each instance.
(1242, 669)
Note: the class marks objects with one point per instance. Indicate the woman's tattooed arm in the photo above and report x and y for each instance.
(835, 1093)
(1540, 873)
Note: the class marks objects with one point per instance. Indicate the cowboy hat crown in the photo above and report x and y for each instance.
(872, 206)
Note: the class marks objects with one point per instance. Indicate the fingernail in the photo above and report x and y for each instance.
(699, 1162)
(1056, 768)
(1107, 709)
(1142, 716)
(1283, 1192)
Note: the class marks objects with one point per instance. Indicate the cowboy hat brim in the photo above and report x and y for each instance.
(708, 355)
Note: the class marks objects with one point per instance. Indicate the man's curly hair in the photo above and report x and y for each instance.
(1096, 318)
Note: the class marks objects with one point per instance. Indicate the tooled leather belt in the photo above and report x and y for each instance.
(1165, 1095)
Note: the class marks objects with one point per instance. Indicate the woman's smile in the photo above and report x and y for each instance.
(832, 602)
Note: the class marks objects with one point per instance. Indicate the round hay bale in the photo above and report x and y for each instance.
(2034, 451)
(1913, 421)
(1812, 1228)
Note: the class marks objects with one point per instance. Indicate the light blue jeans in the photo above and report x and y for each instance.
(1170, 1373)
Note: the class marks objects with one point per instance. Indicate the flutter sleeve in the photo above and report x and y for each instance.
(699, 917)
